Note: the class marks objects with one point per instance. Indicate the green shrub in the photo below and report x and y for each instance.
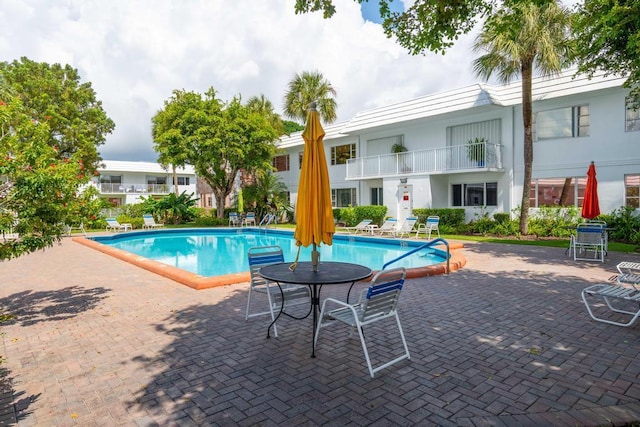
(352, 215)
(452, 217)
(134, 210)
(136, 222)
(373, 212)
(501, 217)
(210, 221)
(625, 224)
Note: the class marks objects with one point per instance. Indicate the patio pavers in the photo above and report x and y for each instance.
(504, 341)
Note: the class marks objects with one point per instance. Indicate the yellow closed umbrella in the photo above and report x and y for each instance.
(314, 213)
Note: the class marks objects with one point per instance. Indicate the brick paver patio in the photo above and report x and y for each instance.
(504, 341)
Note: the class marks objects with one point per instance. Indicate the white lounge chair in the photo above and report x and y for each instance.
(431, 225)
(293, 294)
(361, 226)
(622, 299)
(629, 273)
(390, 226)
(150, 222)
(406, 227)
(114, 225)
(378, 302)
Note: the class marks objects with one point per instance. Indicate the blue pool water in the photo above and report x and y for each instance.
(221, 251)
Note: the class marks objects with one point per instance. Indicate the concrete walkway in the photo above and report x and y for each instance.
(504, 341)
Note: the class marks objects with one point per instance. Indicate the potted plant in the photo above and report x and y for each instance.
(398, 148)
(476, 150)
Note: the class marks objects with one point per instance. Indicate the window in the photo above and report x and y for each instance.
(160, 180)
(568, 122)
(300, 157)
(567, 191)
(343, 197)
(341, 153)
(376, 196)
(482, 194)
(183, 180)
(281, 163)
(110, 183)
(632, 191)
(110, 179)
(632, 121)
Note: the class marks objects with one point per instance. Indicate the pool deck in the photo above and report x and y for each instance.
(505, 340)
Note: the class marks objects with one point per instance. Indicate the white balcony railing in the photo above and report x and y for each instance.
(133, 188)
(457, 158)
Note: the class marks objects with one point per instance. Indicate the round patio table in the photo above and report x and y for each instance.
(328, 273)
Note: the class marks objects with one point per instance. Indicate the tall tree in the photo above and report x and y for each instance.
(50, 127)
(54, 94)
(241, 139)
(608, 39)
(220, 139)
(306, 88)
(170, 131)
(517, 39)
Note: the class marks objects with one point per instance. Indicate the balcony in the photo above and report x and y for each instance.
(457, 158)
(106, 188)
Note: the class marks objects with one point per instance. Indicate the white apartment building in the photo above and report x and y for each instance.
(576, 121)
(123, 183)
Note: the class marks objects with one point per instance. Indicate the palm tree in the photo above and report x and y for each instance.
(268, 194)
(262, 105)
(306, 88)
(519, 37)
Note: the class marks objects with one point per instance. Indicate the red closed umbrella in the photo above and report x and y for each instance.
(590, 204)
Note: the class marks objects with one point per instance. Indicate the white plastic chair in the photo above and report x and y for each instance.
(378, 302)
(260, 256)
(429, 226)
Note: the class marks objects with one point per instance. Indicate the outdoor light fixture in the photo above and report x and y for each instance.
(403, 180)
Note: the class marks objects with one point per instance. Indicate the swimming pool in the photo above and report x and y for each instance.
(207, 257)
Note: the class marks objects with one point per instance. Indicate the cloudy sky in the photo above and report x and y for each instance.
(136, 52)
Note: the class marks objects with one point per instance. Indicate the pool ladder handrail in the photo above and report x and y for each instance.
(266, 220)
(419, 248)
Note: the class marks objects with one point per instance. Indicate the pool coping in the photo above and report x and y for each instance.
(198, 282)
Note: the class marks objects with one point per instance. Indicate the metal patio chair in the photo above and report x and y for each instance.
(589, 237)
(293, 294)
(378, 302)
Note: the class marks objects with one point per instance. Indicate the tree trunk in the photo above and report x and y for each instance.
(175, 180)
(527, 120)
(565, 192)
(220, 198)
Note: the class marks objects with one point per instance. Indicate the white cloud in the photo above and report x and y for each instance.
(135, 53)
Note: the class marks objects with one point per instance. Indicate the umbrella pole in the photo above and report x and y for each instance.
(315, 257)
